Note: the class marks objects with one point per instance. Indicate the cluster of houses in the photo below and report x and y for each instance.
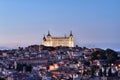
(56, 63)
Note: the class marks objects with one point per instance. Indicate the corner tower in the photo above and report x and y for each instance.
(71, 40)
(49, 39)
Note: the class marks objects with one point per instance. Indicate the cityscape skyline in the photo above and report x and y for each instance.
(93, 23)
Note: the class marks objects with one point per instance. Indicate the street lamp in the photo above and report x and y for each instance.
(119, 65)
(112, 64)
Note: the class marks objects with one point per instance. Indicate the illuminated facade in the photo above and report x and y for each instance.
(58, 41)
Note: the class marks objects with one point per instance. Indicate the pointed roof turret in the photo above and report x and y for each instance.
(48, 33)
(71, 33)
(44, 38)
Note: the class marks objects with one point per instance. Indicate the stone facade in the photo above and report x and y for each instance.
(58, 41)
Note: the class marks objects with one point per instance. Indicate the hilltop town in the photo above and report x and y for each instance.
(38, 62)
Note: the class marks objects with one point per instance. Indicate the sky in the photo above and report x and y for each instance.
(94, 23)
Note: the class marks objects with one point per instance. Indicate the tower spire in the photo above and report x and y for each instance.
(44, 38)
(48, 33)
(71, 33)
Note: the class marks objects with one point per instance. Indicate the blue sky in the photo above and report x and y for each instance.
(95, 23)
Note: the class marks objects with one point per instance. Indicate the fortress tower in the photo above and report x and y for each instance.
(58, 41)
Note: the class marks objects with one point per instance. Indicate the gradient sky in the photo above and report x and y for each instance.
(95, 23)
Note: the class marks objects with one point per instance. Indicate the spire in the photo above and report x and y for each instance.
(44, 38)
(48, 33)
(71, 33)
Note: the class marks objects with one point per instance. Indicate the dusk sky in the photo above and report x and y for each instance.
(94, 23)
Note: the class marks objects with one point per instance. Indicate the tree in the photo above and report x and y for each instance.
(28, 68)
(111, 56)
(19, 67)
(109, 72)
(93, 69)
(86, 63)
(100, 72)
(104, 71)
(100, 54)
(94, 55)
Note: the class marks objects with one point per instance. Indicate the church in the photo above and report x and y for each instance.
(67, 41)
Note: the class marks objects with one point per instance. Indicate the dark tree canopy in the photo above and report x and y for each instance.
(112, 56)
(108, 54)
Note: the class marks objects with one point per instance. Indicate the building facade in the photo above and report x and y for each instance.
(58, 41)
